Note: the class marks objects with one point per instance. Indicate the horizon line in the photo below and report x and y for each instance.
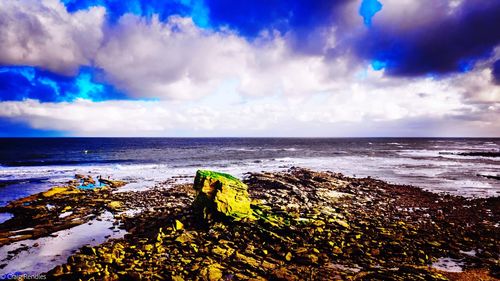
(244, 137)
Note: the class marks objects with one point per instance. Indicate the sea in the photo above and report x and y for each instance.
(31, 165)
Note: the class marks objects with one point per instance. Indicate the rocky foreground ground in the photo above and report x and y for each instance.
(302, 225)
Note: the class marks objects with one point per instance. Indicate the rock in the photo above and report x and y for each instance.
(373, 231)
(249, 261)
(223, 252)
(342, 223)
(114, 205)
(177, 278)
(87, 250)
(222, 194)
(178, 225)
(212, 273)
(184, 238)
(493, 177)
(112, 183)
(59, 190)
(148, 247)
(57, 271)
(88, 181)
(288, 256)
(480, 153)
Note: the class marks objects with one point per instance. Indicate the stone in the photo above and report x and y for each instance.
(184, 238)
(88, 181)
(114, 205)
(178, 225)
(59, 190)
(222, 194)
(112, 183)
(212, 273)
(342, 223)
(288, 256)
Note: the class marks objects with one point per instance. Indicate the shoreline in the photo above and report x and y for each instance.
(432, 165)
(319, 203)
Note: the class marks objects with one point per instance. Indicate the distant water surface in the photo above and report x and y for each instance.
(29, 165)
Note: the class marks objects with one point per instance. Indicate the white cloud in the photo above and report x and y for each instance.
(402, 14)
(178, 60)
(407, 107)
(43, 33)
(172, 60)
(212, 83)
(477, 87)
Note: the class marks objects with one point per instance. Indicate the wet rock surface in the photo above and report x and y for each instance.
(56, 209)
(493, 177)
(219, 194)
(492, 153)
(481, 153)
(303, 225)
(306, 226)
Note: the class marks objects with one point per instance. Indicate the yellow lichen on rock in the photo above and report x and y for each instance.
(223, 194)
(178, 225)
(342, 223)
(177, 278)
(59, 190)
(184, 238)
(212, 272)
(114, 205)
(112, 183)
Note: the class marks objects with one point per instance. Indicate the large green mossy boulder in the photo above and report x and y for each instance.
(221, 194)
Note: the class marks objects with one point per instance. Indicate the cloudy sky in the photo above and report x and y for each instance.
(324, 68)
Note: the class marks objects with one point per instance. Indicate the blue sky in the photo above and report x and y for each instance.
(249, 68)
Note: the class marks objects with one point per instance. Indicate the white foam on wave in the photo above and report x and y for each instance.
(291, 149)
(422, 153)
(240, 149)
(414, 167)
(426, 153)
(244, 149)
(474, 184)
(489, 143)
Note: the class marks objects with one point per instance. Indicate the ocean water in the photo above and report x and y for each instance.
(30, 165)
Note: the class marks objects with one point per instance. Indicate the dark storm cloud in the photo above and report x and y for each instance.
(250, 17)
(496, 72)
(449, 43)
(304, 21)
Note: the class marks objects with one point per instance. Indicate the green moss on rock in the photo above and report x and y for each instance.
(221, 194)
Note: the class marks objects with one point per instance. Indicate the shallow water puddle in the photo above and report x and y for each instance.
(67, 214)
(90, 186)
(5, 217)
(448, 265)
(52, 251)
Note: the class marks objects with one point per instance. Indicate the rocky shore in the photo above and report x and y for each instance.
(293, 225)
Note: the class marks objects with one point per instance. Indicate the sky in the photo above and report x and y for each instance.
(250, 68)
